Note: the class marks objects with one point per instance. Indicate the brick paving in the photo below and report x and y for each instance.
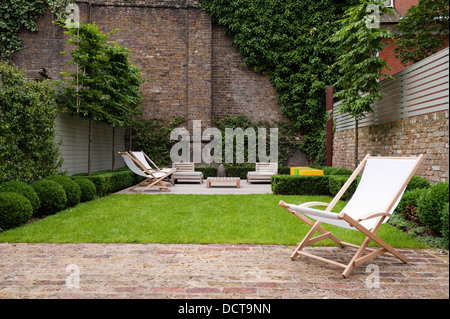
(213, 271)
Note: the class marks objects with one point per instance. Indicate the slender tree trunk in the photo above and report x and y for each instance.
(90, 148)
(356, 143)
(113, 161)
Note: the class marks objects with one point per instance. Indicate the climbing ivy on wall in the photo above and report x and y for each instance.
(18, 14)
(286, 39)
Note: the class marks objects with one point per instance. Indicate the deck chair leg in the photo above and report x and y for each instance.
(358, 254)
(305, 240)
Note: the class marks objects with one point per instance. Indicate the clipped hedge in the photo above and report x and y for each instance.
(300, 185)
(430, 206)
(15, 210)
(87, 188)
(408, 204)
(337, 181)
(23, 189)
(210, 171)
(107, 182)
(72, 190)
(417, 182)
(52, 196)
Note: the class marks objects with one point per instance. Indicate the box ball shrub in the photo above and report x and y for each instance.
(88, 191)
(23, 189)
(52, 195)
(15, 210)
(430, 205)
(72, 190)
(417, 182)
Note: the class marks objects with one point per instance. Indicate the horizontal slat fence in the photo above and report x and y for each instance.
(421, 88)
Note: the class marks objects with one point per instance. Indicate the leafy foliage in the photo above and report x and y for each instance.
(15, 210)
(105, 86)
(52, 196)
(360, 68)
(27, 134)
(152, 136)
(423, 30)
(286, 40)
(286, 138)
(18, 14)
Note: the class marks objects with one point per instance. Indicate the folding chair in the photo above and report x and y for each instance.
(144, 160)
(381, 187)
(152, 178)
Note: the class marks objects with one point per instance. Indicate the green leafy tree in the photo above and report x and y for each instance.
(423, 30)
(104, 86)
(360, 68)
(122, 88)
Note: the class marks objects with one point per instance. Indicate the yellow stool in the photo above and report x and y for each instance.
(305, 171)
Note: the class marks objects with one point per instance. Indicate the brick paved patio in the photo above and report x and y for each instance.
(216, 271)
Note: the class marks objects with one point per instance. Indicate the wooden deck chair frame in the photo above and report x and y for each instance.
(152, 178)
(152, 166)
(359, 257)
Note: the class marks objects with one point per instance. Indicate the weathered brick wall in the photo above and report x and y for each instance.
(194, 69)
(425, 134)
(236, 88)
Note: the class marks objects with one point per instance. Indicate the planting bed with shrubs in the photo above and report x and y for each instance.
(20, 202)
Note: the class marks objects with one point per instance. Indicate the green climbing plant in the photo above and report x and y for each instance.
(18, 14)
(286, 40)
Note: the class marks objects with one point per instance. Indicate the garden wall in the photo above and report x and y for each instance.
(194, 69)
(71, 132)
(412, 119)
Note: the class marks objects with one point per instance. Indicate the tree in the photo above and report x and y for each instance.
(423, 30)
(123, 88)
(360, 67)
(105, 85)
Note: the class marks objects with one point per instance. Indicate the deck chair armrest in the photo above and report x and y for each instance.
(366, 216)
(370, 215)
(308, 204)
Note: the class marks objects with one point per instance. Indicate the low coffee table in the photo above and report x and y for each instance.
(236, 180)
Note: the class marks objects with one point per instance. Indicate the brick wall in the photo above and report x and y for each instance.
(424, 134)
(194, 69)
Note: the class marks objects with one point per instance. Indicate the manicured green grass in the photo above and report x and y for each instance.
(169, 218)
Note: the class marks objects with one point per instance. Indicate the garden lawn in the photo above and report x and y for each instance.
(168, 218)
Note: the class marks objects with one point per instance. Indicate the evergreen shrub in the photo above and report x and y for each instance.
(15, 210)
(52, 196)
(72, 190)
(23, 189)
(430, 205)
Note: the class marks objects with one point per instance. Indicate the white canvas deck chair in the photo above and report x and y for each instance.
(381, 187)
(152, 178)
(151, 166)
